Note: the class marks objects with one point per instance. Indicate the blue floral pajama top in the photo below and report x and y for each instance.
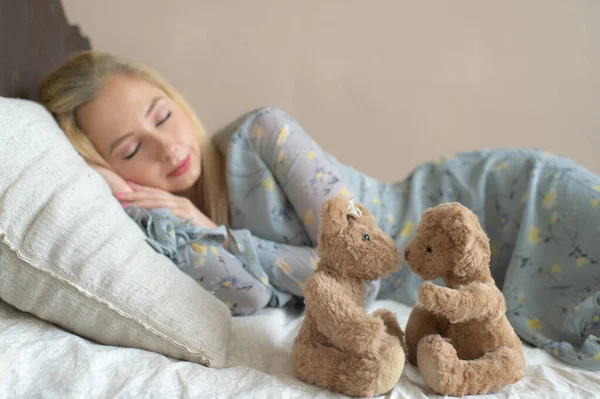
(541, 212)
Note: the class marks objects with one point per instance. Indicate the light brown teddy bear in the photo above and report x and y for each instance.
(458, 335)
(339, 347)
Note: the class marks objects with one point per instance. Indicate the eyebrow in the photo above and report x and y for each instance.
(118, 141)
(152, 104)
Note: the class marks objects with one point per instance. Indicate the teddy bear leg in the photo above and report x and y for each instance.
(421, 323)
(446, 374)
(348, 373)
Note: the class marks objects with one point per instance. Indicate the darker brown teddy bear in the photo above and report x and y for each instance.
(339, 347)
(458, 335)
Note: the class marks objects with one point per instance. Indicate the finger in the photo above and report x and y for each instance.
(139, 187)
(139, 195)
(151, 203)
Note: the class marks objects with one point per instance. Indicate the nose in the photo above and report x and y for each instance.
(406, 253)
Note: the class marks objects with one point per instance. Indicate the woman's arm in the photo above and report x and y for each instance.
(301, 169)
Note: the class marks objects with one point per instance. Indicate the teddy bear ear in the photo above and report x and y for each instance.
(334, 214)
(459, 224)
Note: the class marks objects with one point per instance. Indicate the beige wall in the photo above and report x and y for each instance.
(383, 85)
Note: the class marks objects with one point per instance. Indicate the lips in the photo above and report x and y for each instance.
(181, 168)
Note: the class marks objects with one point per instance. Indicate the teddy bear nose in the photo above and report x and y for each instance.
(406, 253)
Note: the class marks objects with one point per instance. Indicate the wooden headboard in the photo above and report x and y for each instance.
(35, 39)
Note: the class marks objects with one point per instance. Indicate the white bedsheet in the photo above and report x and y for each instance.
(41, 360)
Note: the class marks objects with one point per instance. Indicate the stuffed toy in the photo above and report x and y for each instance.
(458, 335)
(339, 346)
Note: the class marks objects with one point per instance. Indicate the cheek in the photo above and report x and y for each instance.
(142, 171)
(183, 130)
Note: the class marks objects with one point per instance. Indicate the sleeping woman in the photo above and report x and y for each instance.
(239, 211)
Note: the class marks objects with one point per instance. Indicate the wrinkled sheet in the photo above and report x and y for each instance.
(40, 360)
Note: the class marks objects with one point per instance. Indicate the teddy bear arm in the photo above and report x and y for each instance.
(338, 318)
(479, 301)
(439, 300)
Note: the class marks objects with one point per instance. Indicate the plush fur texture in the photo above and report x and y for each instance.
(458, 335)
(339, 347)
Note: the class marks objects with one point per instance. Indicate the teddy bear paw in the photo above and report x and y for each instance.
(439, 363)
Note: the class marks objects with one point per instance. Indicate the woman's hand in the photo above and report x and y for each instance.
(114, 181)
(149, 197)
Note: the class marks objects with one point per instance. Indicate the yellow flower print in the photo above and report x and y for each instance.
(581, 261)
(391, 218)
(547, 153)
(525, 197)
(269, 183)
(301, 285)
(215, 251)
(494, 248)
(520, 298)
(549, 200)
(397, 282)
(284, 265)
(376, 201)
(534, 324)
(283, 135)
(534, 235)
(258, 132)
(319, 175)
(344, 191)
(577, 308)
(264, 280)
(555, 268)
(596, 318)
(172, 232)
(308, 218)
(226, 283)
(407, 229)
(597, 356)
(279, 157)
(500, 166)
(597, 188)
(438, 161)
(200, 261)
(201, 249)
(311, 155)
(554, 218)
(594, 203)
(450, 157)
(229, 304)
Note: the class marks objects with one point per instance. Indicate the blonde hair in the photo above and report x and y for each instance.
(79, 80)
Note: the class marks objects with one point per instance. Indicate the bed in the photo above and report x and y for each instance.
(39, 359)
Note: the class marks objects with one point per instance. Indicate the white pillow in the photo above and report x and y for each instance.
(71, 256)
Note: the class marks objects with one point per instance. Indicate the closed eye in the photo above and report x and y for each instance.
(135, 150)
(163, 120)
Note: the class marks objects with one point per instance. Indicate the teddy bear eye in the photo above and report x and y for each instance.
(429, 249)
(366, 237)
